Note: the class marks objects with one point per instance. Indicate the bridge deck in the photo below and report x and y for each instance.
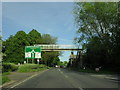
(61, 49)
(49, 47)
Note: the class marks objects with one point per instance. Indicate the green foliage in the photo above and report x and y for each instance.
(34, 37)
(48, 39)
(6, 73)
(56, 60)
(31, 68)
(7, 67)
(65, 63)
(14, 47)
(62, 63)
(50, 58)
(4, 79)
(98, 32)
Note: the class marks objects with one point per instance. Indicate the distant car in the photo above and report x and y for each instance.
(61, 66)
(56, 66)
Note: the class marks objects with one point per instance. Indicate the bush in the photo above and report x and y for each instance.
(7, 67)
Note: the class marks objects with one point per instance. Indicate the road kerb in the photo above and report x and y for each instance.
(8, 83)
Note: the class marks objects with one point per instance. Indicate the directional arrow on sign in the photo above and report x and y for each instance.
(32, 51)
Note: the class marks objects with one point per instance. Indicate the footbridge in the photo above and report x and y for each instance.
(53, 47)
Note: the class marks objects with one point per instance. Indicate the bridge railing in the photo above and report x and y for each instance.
(57, 46)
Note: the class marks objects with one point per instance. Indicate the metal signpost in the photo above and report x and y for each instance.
(32, 52)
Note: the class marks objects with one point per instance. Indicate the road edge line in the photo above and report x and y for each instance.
(27, 79)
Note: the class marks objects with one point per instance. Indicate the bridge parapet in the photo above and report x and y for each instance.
(54, 47)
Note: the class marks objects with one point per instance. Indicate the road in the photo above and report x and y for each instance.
(63, 78)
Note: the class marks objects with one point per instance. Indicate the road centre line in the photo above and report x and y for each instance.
(67, 78)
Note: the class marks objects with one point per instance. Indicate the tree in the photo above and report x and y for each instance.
(14, 47)
(98, 31)
(48, 39)
(34, 37)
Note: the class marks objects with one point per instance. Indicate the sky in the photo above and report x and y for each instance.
(54, 18)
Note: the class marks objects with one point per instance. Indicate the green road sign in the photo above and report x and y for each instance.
(32, 52)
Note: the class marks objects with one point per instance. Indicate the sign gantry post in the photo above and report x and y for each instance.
(32, 52)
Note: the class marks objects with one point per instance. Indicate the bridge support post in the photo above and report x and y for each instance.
(79, 61)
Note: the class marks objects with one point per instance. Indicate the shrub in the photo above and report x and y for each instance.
(7, 67)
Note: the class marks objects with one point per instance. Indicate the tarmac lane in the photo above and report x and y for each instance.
(63, 78)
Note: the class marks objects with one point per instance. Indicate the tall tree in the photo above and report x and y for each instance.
(48, 39)
(14, 47)
(34, 37)
(97, 24)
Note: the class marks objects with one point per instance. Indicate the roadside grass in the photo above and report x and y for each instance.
(94, 72)
(6, 73)
(31, 68)
(21, 68)
(4, 79)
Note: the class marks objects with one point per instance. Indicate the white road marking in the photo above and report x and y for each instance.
(67, 77)
(80, 88)
(63, 73)
(24, 80)
(60, 71)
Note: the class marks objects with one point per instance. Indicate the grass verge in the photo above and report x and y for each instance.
(93, 71)
(31, 68)
(6, 73)
(4, 79)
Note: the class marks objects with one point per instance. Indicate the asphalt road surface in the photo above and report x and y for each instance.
(63, 78)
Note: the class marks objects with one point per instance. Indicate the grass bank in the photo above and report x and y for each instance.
(22, 68)
(4, 79)
(31, 68)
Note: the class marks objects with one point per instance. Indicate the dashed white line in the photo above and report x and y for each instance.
(67, 77)
(80, 88)
(63, 73)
